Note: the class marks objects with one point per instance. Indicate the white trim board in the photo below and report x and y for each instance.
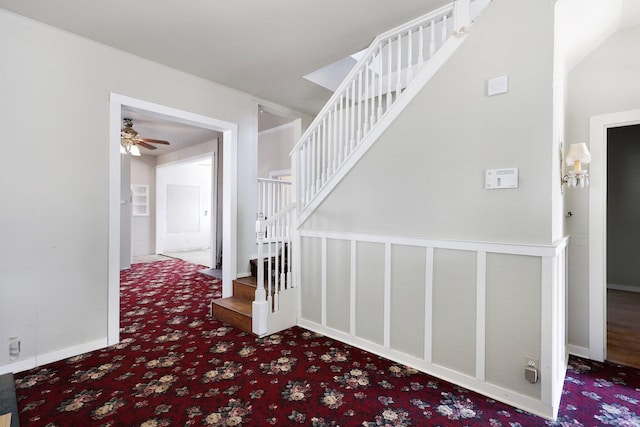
(54, 356)
(487, 389)
(229, 202)
(598, 226)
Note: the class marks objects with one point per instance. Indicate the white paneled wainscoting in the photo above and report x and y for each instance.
(468, 312)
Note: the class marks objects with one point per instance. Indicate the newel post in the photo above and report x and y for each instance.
(259, 308)
(461, 16)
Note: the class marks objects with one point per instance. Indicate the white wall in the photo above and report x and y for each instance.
(143, 228)
(606, 81)
(184, 224)
(274, 146)
(55, 165)
(424, 178)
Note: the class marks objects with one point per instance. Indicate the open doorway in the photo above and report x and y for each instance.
(186, 154)
(186, 225)
(598, 230)
(622, 235)
(229, 131)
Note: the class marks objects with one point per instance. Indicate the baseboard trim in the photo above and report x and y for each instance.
(19, 366)
(65, 353)
(578, 351)
(54, 356)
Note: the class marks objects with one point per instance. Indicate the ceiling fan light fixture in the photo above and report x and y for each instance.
(129, 141)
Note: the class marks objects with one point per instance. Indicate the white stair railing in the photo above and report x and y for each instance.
(275, 252)
(370, 90)
(273, 195)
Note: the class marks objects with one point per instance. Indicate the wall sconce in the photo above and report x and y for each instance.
(577, 155)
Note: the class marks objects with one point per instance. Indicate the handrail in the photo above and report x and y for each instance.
(274, 181)
(362, 63)
(370, 89)
(279, 255)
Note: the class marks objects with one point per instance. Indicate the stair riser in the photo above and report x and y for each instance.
(235, 319)
(244, 291)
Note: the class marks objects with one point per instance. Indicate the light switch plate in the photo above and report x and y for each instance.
(501, 178)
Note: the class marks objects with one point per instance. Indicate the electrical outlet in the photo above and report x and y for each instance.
(531, 362)
(14, 348)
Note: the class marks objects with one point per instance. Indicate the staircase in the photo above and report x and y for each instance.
(254, 306)
(236, 310)
(396, 66)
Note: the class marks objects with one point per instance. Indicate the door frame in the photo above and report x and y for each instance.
(229, 196)
(598, 227)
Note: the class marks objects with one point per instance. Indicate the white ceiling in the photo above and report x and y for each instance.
(263, 47)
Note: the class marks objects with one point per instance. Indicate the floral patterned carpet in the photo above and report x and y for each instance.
(176, 366)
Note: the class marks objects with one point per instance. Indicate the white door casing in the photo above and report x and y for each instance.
(229, 194)
(598, 227)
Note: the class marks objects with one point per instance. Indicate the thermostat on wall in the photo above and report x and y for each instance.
(501, 178)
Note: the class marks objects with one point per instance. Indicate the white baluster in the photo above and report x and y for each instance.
(316, 152)
(409, 57)
(325, 148)
(421, 45)
(263, 202)
(365, 125)
(308, 169)
(389, 65)
(330, 143)
(340, 131)
(352, 130)
(444, 30)
(290, 246)
(336, 137)
(399, 67)
(269, 211)
(360, 106)
(346, 123)
(380, 81)
(369, 109)
(278, 204)
(276, 267)
(260, 294)
(432, 43)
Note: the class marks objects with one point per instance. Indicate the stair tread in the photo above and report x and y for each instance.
(249, 281)
(239, 305)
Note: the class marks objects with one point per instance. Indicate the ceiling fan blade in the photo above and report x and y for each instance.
(145, 145)
(154, 141)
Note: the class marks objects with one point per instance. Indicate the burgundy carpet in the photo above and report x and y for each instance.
(175, 366)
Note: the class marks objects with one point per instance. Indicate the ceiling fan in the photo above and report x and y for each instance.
(129, 140)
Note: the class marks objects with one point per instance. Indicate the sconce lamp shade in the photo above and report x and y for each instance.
(578, 153)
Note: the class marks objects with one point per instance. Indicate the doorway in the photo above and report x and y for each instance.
(622, 235)
(186, 211)
(598, 277)
(229, 199)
